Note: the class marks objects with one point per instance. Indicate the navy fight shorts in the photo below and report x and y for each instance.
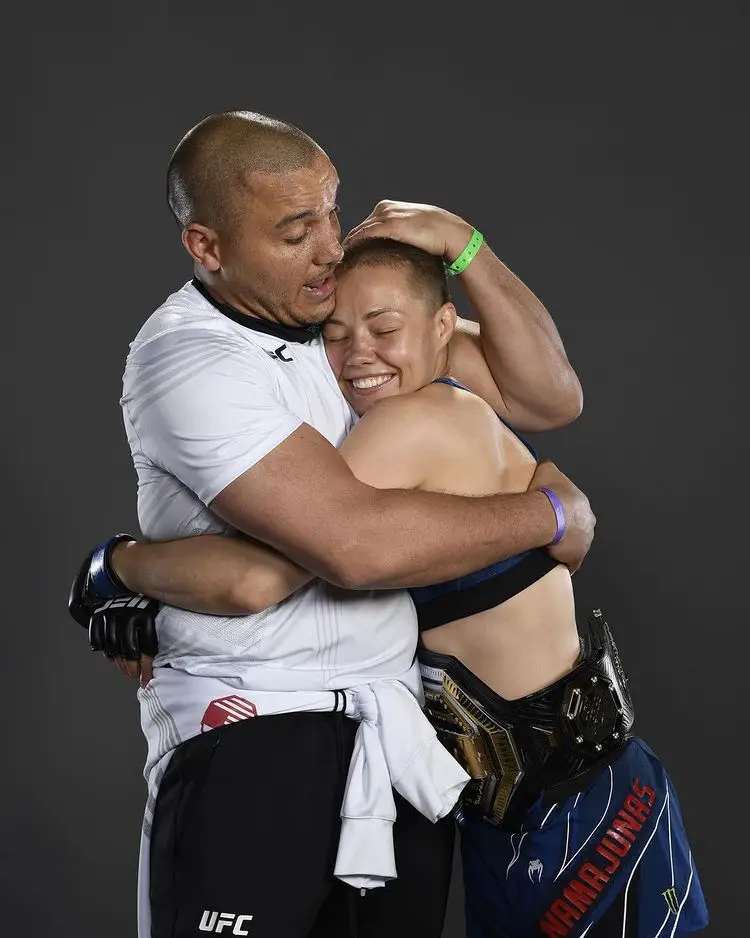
(611, 860)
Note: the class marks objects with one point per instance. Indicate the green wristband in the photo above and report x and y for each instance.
(467, 255)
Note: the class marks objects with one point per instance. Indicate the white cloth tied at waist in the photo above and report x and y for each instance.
(395, 747)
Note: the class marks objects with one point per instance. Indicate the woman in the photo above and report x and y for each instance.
(569, 826)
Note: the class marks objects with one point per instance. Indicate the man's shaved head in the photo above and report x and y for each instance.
(212, 162)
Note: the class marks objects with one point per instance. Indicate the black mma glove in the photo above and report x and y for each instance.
(120, 623)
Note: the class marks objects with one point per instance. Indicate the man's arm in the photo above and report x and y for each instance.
(516, 360)
(518, 343)
(304, 500)
(391, 447)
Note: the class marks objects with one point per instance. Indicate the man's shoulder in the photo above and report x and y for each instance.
(187, 347)
(187, 329)
(182, 310)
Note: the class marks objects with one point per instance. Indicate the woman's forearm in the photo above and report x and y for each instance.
(210, 573)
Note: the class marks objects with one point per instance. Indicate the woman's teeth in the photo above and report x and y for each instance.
(362, 383)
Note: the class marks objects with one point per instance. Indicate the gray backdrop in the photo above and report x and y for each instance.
(602, 151)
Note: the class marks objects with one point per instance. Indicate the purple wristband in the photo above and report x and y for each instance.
(559, 515)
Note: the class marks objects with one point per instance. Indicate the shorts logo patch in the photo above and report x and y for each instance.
(226, 710)
(536, 868)
(670, 897)
(218, 921)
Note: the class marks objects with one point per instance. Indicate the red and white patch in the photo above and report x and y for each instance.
(225, 710)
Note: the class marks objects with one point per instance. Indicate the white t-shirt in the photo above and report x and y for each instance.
(205, 398)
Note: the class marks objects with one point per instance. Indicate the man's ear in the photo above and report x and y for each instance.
(202, 244)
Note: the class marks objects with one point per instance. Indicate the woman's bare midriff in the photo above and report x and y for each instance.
(521, 646)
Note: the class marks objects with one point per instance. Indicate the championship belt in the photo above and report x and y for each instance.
(515, 749)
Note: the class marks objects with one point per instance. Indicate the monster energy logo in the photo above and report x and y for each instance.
(670, 897)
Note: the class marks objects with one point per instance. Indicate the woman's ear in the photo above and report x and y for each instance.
(446, 323)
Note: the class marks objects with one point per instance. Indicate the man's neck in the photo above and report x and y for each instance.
(267, 324)
(223, 295)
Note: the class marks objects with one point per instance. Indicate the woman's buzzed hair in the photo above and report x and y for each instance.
(425, 272)
(209, 167)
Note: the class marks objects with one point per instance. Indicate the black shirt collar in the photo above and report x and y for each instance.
(287, 333)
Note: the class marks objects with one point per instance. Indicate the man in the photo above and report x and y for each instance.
(233, 415)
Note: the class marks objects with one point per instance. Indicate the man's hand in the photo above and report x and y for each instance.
(580, 519)
(120, 624)
(425, 226)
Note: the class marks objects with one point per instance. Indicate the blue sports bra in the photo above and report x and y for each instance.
(476, 592)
